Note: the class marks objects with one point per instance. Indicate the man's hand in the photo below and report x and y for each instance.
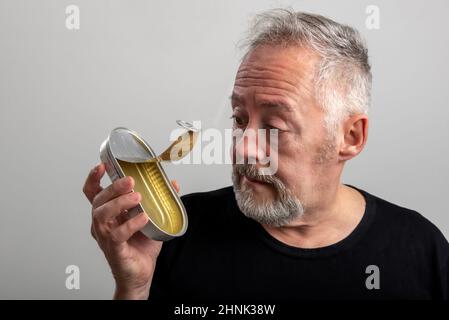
(131, 255)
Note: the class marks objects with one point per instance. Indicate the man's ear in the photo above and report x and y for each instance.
(355, 135)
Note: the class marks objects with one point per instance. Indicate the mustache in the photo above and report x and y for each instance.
(251, 171)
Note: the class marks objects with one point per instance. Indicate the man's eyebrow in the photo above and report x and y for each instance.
(265, 103)
(276, 104)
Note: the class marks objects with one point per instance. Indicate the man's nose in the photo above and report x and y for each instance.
(250, 146)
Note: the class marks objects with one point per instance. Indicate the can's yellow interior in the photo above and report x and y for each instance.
(157, 200)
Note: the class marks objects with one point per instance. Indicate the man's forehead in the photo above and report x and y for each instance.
(280, 58)
(288, 72)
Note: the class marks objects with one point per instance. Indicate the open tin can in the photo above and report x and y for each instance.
(160, 201)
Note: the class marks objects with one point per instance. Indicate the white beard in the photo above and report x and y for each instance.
(279, 212)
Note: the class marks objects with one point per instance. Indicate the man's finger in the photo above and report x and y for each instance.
(111, 209)
(92, 184)
(126, 230)
(114, 190)
(175, 185)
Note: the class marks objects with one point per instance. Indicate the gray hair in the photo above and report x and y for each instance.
(343, 78)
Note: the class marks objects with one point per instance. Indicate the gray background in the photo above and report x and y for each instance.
(144, 64)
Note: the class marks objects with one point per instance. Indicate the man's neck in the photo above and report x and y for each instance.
(324, 226)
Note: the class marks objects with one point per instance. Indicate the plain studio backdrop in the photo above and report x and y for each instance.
(144, 64)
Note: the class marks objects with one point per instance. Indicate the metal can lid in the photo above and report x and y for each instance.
(186, 125)
(127, 146)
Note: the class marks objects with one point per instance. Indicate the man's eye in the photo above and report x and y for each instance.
(269, 126)
(237, 120)
(273, 127)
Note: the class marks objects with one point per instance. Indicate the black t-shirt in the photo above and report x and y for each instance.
(393, 253)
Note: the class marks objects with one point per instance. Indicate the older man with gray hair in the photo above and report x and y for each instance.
(299, 233)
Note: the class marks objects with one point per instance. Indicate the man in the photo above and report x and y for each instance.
(297, 234)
